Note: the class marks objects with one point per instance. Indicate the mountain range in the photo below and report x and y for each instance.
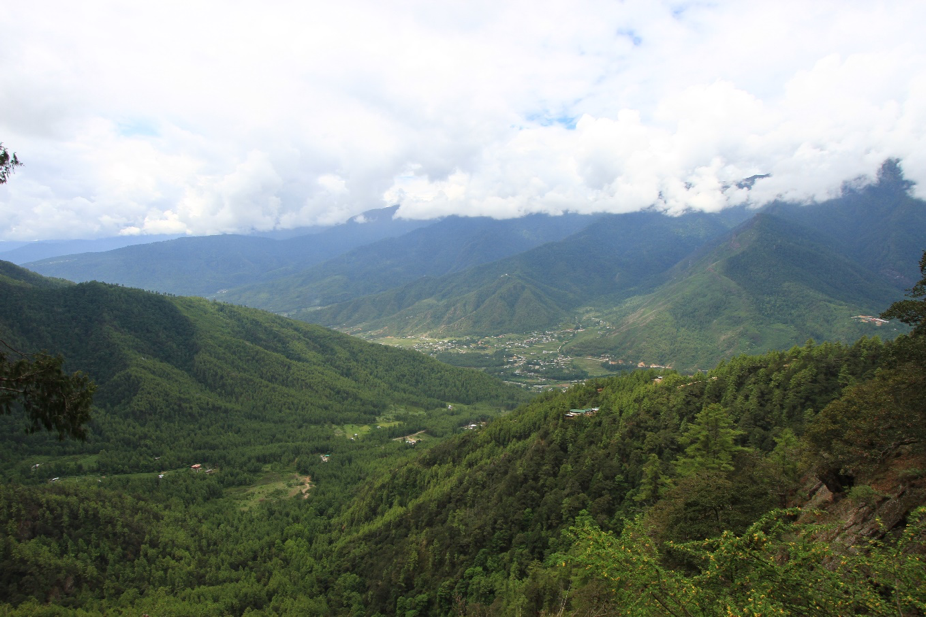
(686, 291)
(204, 265)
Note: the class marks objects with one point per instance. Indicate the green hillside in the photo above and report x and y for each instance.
(450, 245)
(11, 274)
(476, 521)
(610, 257)
(659, 498)
(684, 292)
(185, 380)
(768, 285)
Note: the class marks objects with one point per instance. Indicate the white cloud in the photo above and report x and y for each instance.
(214, 117)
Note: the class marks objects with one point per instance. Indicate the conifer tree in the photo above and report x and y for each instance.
(8, 164)
(710, 442)
(654, 482)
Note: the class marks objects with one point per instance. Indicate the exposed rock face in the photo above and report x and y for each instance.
(876, 506)
(836, 481)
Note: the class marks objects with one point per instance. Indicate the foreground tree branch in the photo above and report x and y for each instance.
(52, 399)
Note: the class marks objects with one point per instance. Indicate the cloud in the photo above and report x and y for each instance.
(215, 117)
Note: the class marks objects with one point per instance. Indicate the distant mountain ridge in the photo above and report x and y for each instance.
(534, 289)
(447, 246)
(204, 265)
(880, 225)
(28, 252)
(641, 273)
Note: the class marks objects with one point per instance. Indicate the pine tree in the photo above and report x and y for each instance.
(710, 442)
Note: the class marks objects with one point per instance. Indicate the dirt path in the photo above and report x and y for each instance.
(412, 436)
(305, 488)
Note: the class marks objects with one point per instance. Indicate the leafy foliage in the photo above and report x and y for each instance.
(473, 523)
(778, 566)
(662, 502)
(710, 441)
(8, 164)
(912, 311)
(51, 399)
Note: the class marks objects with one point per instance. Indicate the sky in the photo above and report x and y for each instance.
(204, 117)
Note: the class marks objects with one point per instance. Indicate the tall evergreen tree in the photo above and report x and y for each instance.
(710, 441)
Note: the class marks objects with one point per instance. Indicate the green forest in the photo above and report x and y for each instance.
(785, 483)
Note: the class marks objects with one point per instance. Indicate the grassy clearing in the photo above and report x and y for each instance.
(358, 431)
(592, 366)
(271, 485)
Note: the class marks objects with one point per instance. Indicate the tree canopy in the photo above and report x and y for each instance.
(8, 164)
(53, 400)
(912, 311)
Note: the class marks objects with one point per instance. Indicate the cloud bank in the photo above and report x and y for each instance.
(217, 117)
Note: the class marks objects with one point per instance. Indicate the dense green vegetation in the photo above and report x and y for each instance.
(781, 483)
(655, 501)
(478, 519)
(766, 286)
(184, 380)
(507, 518)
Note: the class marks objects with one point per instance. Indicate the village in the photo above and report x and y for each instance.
(536, 360)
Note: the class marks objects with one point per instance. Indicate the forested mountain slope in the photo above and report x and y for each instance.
(880, 226)
(643, 495)
(450, 245)
(477, 524)
(769, 284)
(187, 380)
(537, 288)
(11, 274)
(204, 265)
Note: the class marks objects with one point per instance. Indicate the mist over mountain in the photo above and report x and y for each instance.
(687, 290)
(879, 225)
(670, 290)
